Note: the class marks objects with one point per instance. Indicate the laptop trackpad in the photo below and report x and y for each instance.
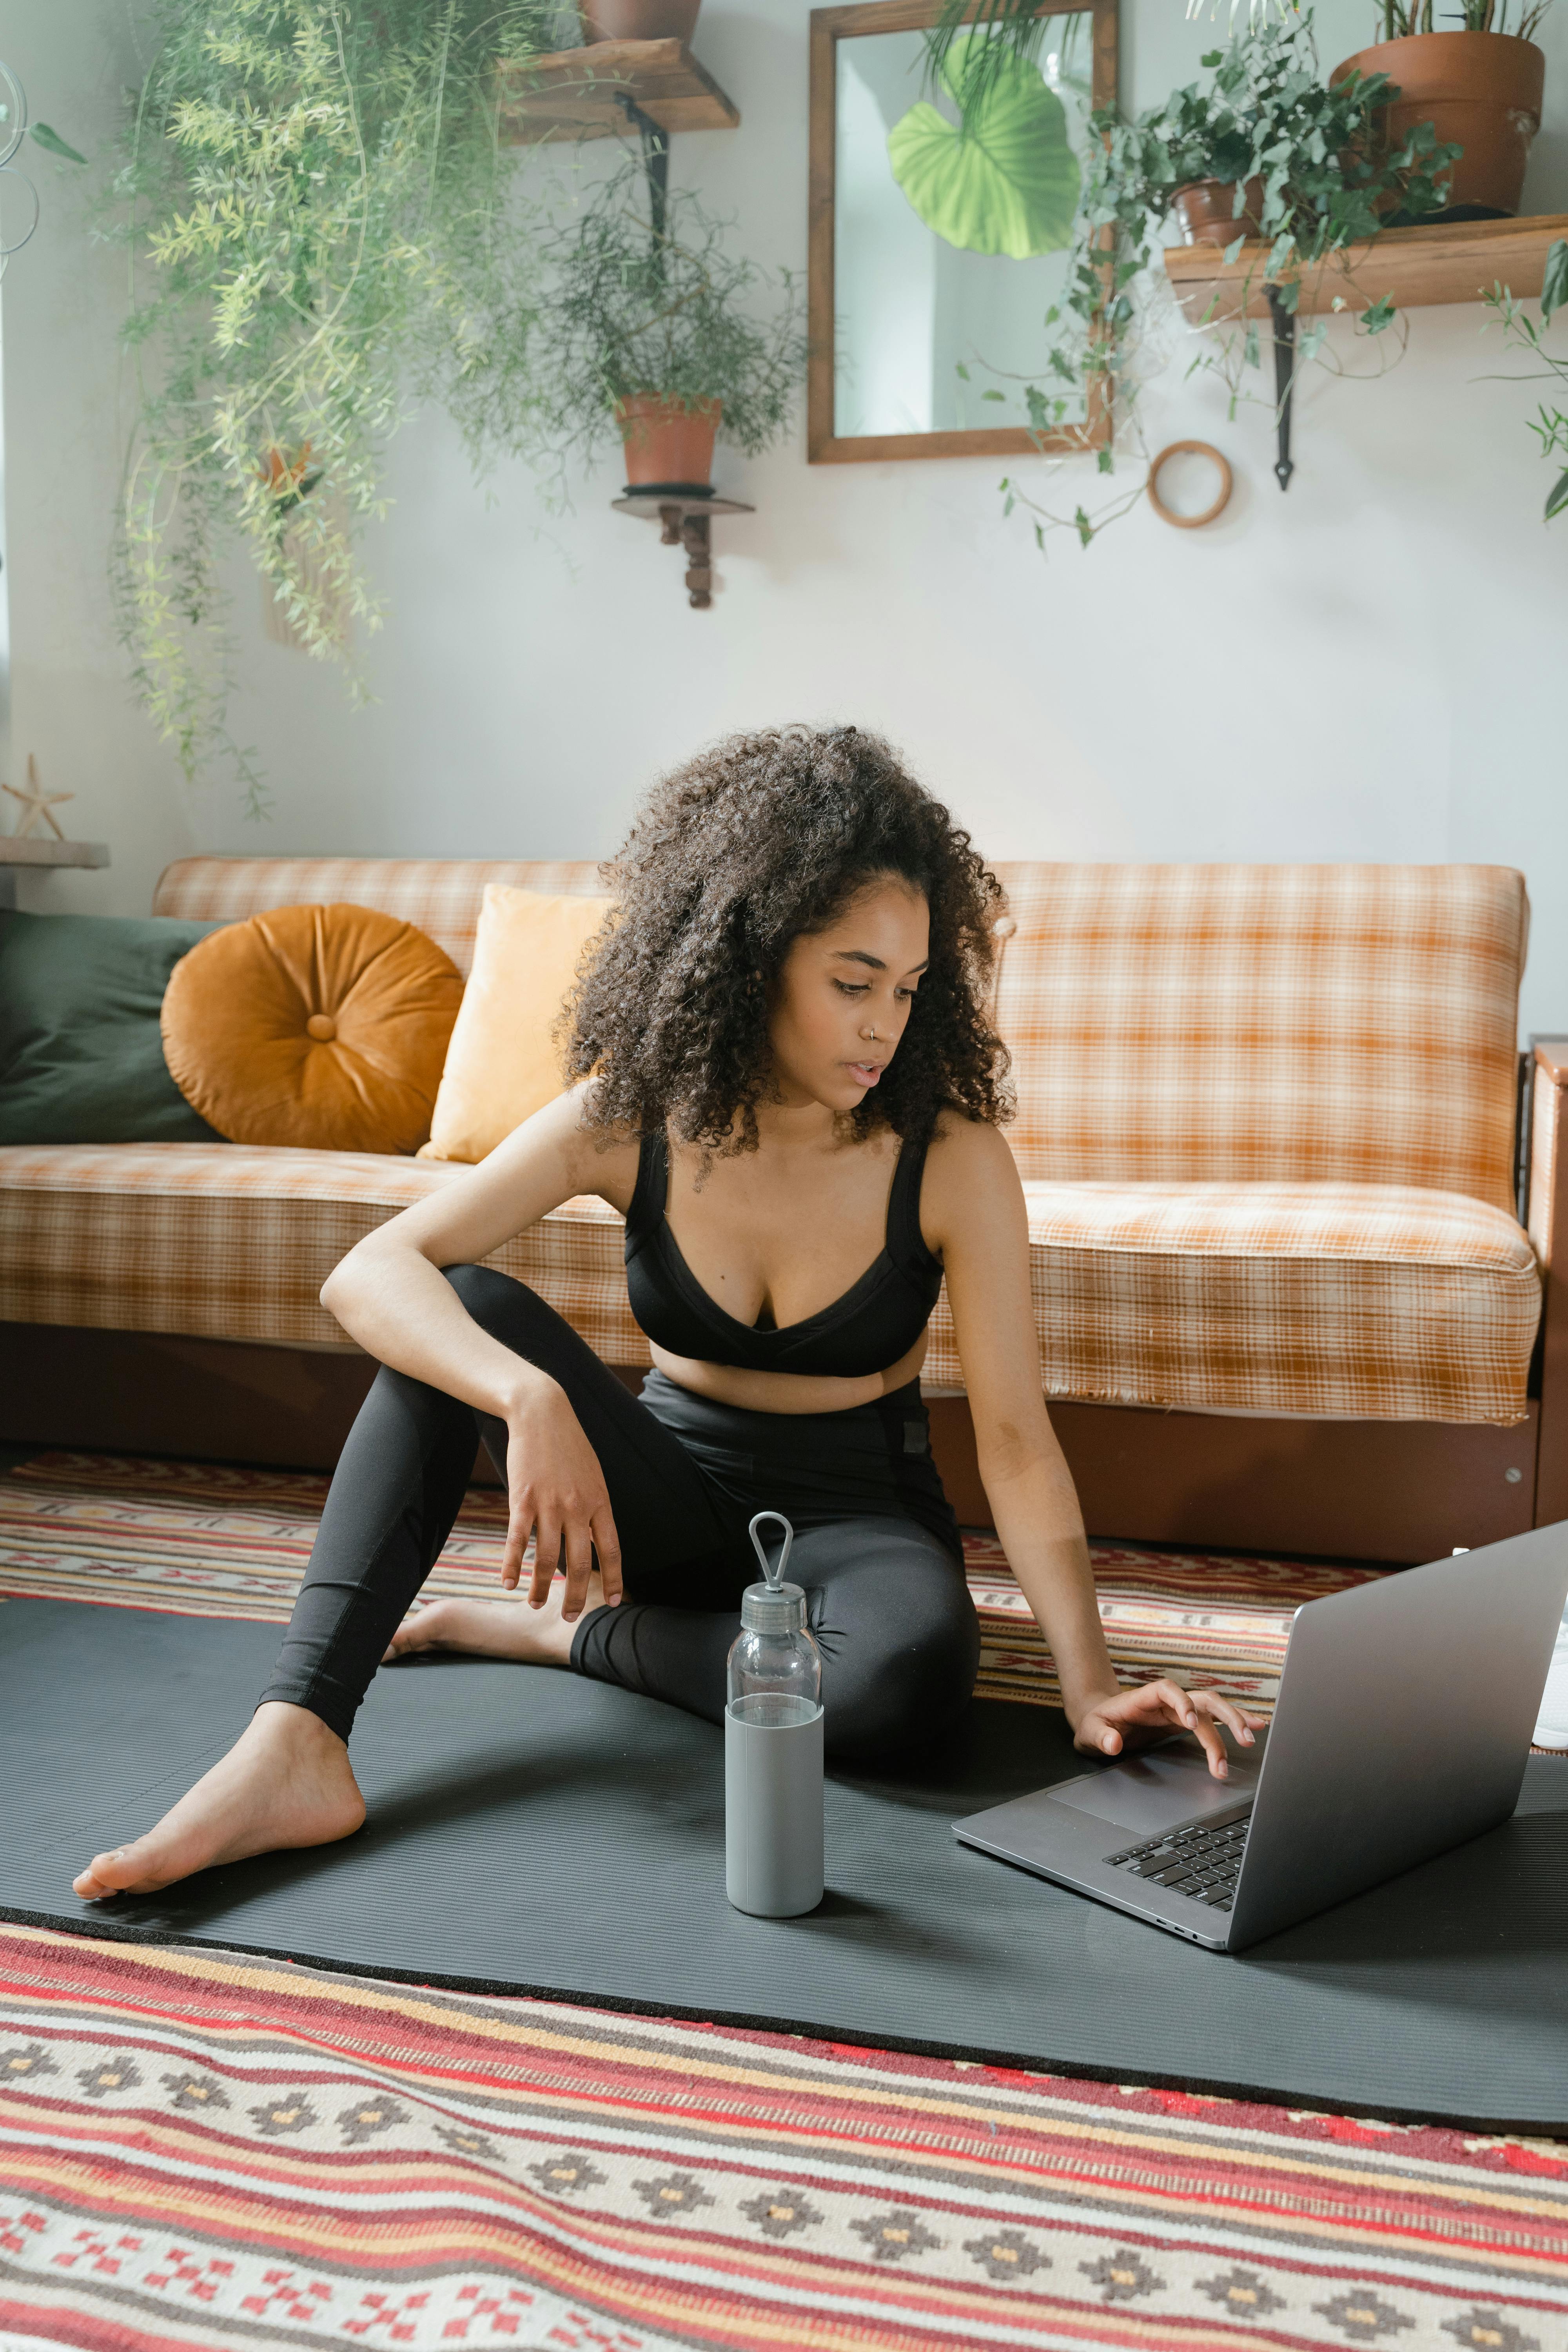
(1157, 1791)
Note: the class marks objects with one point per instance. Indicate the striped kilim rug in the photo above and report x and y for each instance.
(206, 2150)
(213, 1541)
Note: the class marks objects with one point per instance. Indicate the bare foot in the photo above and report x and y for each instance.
(497, 1629)
(286, 1782)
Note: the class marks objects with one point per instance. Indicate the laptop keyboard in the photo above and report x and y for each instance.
(1200, 1863)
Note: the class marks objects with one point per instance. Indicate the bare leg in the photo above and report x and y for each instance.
(286, 1782)
(496, 1629)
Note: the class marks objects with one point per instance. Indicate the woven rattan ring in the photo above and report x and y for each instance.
(1194, 450)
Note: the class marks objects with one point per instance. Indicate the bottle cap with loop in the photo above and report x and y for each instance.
(772, 1606)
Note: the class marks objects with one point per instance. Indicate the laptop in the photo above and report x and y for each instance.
(1404, 1717)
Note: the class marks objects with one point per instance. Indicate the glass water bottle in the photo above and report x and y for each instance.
(772, 1746)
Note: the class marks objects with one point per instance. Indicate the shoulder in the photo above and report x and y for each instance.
(596, 1159)
(968, 1147)
(970, 1175)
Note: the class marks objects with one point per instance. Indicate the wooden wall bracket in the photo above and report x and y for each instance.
(685, 522)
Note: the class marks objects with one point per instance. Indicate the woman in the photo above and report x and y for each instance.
(787, 1081)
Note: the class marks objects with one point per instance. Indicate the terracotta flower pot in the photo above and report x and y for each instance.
(1482, 90)
(1206, 212)
(668, 447)
(639, 20)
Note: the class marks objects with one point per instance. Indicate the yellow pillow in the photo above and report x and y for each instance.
(502, 1063)
(321, 1027)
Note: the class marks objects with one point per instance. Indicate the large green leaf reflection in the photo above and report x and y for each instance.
(1008, 182)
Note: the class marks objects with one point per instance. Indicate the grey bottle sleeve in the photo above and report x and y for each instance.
(773, 1816)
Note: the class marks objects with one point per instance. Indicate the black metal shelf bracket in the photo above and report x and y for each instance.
(654, 158)
(1284, 322)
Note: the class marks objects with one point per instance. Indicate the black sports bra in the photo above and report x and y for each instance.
(875, 1322)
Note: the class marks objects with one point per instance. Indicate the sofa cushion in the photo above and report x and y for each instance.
(234, 1242)
(504, 1062)
(1377, 1301)
(80, 1057)
(1382, 1302)
(1265, 1023)
(319, 1027)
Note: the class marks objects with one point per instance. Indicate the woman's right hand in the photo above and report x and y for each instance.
(556, 1492)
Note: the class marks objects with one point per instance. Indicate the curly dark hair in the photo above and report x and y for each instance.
(760, 839)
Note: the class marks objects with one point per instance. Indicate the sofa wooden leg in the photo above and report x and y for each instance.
(1548, 1233)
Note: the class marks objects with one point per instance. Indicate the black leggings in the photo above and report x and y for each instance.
(876, 1547)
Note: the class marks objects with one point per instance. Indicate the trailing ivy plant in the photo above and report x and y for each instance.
(1325, 179)
(1549, 423)
(322, 230)
(645, 294)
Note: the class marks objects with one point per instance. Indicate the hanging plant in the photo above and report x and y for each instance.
(997, 35)
(323, 232)
(1549, 423)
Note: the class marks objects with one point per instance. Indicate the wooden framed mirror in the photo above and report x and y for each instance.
(922, 337)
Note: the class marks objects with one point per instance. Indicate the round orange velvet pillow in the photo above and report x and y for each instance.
(320, 1026)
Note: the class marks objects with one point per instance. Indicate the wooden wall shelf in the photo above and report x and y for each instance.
(584, 93)
(1453, 261)
(37, 849)
(40, 850)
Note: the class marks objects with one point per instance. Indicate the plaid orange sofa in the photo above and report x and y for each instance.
(1267, 1127)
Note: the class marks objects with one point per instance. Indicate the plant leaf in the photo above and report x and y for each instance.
(52, 144)
(1556, 498)
(1554, 284)
(1006, 182)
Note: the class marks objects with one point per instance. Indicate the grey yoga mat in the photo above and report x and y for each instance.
(532, 1833)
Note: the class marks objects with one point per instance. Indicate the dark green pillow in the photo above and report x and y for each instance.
(81, 1060)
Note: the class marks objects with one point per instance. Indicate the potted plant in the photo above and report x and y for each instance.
(1480, 86)
(1266, 150)
(653, 339)
(639, 20)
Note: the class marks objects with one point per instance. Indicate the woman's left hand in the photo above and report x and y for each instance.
(1132, 1718)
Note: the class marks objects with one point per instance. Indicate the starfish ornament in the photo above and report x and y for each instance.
(37, 806)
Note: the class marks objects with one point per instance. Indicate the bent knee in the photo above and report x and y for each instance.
(887, 1692)
(492, 1298)
(475, 1284)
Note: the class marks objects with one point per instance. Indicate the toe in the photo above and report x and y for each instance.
(109, 1873)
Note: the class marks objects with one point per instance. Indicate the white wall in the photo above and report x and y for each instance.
(1370, 666)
